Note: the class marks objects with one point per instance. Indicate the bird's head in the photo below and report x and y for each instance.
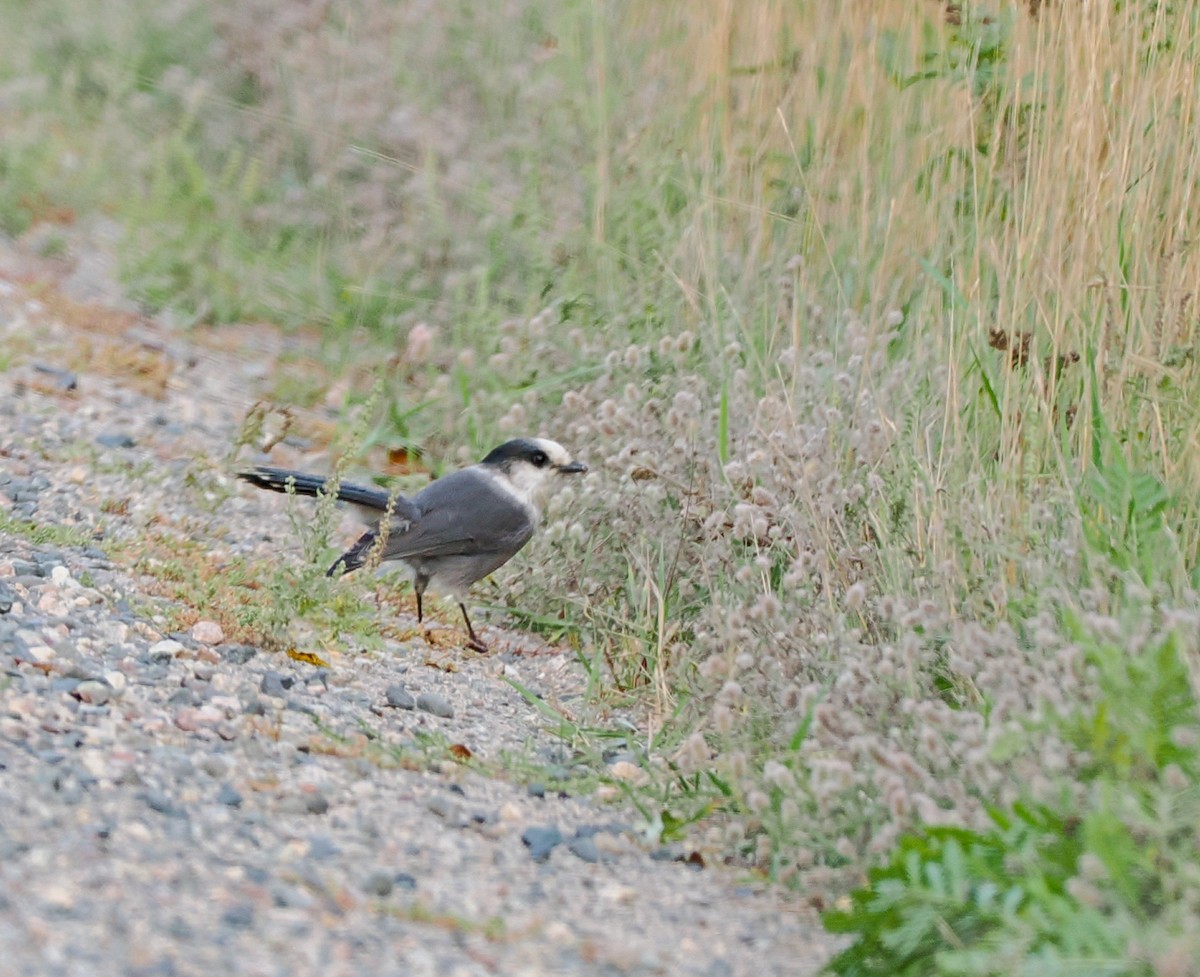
(533, 466)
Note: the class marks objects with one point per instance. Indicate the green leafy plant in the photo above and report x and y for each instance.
(956, 901)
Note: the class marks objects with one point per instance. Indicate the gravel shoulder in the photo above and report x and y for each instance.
(178, 802)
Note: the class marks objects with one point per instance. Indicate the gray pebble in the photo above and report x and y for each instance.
(536, 790)
(399, 698)
(379, 883)
(228, 796)
(275, 685)
(7, 598)
(115, 440)
(322, 847)
(291, 896)
(158, 801)
(435, 704)
(23, 568)
(316, 803)
(239, 917)
(584, 847)
(404, 881)
(541, 841)
(237, 654)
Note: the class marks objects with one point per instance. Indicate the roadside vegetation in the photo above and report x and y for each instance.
(878, 324)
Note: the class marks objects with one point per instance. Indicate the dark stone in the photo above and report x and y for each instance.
(399, 698)
(276, 685)
(435, 705)
(237, 654)
(541, 841)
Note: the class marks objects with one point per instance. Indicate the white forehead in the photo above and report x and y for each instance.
(557, 454)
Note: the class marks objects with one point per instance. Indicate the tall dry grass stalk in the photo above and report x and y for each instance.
(1044, 188)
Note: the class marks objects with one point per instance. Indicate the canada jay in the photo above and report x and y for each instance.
(457, 529)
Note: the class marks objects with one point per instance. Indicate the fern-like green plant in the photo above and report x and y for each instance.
(963, 902)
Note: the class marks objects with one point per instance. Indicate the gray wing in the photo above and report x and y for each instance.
(463, 513)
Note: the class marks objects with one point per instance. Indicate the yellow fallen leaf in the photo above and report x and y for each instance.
(308, 657)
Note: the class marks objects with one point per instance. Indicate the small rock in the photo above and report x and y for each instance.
(404, 881)
(60, 575)
(215, 765)
(115, 440)
(541, 841)
(399, 698)
(618, 892)
(7, 598)
(291, 896)
(275, 685)
(240, 916)
(116, 680)
(321, 847)
(167, 647)
(190, 720)
(536, 790)
(443, 807)
(316, 803)
(92, 692)
(40, 654)
(51, 603)
(435, 705)
(156, 800)
(238, 654)
(379, 883)
(585, 848)
(207, 633)
(228, 796)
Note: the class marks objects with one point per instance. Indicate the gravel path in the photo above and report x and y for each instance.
(182, 803)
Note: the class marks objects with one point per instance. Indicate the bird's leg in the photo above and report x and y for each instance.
(420, 610)
(475, 644)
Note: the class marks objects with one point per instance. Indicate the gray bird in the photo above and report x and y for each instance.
(457, 529)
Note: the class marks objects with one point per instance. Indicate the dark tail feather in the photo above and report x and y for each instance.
(353, 558)
(278, 479)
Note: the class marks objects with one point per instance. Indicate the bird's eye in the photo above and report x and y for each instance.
(539, 459)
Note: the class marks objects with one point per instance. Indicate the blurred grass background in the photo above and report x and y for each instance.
(878, 321)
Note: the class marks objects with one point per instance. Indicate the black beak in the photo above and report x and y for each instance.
(573, 468)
